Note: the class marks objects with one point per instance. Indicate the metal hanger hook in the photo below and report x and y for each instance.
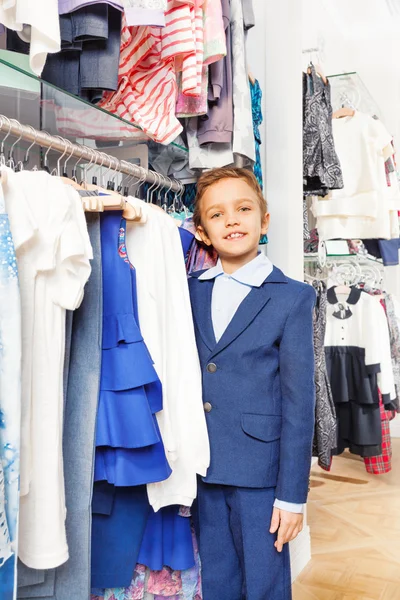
(11, 151)
(26, 157)
(2, 155)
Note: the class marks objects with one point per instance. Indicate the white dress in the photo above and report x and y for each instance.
(53, 252)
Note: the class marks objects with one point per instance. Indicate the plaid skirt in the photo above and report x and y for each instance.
(383, 462)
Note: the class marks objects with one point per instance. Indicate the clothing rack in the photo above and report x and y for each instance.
(345, 270)
(82, 152)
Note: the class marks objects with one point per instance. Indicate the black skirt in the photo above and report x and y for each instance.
(355, 394)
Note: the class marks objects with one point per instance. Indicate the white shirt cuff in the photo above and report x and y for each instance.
(289, 506)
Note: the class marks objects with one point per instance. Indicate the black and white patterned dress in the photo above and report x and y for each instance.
(325, 437)
(321, 166)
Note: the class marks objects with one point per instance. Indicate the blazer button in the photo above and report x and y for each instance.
(211, 367)
(207, 407)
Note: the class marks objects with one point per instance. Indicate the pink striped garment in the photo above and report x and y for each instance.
(147, 88)
(150, 58)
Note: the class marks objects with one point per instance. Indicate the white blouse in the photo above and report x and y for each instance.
(165, 318)
(365, 206)
(366, 328)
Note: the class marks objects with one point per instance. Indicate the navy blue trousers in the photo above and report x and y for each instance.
(238, 557)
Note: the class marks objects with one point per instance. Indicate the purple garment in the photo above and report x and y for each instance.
(67, 6)
(217, 125)
(216, 70)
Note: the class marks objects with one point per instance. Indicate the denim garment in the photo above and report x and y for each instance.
(10, 404)
(89, 60)
(82, 371)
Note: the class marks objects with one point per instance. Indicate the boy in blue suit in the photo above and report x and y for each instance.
(254, 336)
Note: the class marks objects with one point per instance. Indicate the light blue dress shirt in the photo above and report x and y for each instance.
(229, 291)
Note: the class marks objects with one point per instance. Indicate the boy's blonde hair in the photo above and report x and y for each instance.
(209, 178)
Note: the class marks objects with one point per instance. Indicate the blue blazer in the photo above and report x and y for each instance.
(258, 386)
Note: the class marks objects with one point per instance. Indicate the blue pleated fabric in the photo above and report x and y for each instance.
(167, 541)
(129, 448)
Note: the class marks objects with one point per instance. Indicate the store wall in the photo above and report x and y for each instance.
(361, 36)
(274, 57)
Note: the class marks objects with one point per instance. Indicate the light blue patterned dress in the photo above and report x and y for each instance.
(10, 404)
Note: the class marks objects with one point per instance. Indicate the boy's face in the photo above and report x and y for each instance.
(231, 219)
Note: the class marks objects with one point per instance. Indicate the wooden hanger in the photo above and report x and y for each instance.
(345, 111)
(319, 71)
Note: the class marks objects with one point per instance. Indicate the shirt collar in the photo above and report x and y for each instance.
(254, 273)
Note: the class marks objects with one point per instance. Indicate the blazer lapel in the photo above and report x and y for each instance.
(202, 312)
(245, 314)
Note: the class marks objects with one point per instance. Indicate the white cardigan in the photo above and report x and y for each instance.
(165, 319)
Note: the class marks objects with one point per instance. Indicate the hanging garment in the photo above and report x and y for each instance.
(325, 440)
(214, 32)
(321, 166)
(382, 463)
(166, 323)
(119, 520)
(82, 376)
(10, 403)
(150, 57)
(256, 97)
(168, 540)
(358, 361)
(243, 145)
(210, 137)
(191, 106)
(88, 62)
(36, 23)
(129, 448)
(53, 252)
(164, 584)
(394, 332)
(366, 207)
(5, 543)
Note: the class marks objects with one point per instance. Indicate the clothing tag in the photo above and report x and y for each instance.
(337, 247)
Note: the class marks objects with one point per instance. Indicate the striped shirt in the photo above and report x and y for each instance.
(150, 58)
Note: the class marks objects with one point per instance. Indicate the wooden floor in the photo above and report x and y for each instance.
(355, 533)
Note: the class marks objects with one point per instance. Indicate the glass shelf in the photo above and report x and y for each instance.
(25, 97)
(348, 89)
(34, 102)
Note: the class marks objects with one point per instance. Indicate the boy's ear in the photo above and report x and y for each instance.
(202, 236)
(265, 223)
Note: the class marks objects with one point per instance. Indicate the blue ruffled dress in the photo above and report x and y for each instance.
(129, 447)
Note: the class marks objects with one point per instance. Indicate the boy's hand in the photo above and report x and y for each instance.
(287, 524)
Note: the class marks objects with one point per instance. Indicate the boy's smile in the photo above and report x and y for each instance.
(231, 221)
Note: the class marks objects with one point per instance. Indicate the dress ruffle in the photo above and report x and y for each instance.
(124, 467)
(167, 541)
(125, 419)
(119, 328)
(351, 380)
(127, 366)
